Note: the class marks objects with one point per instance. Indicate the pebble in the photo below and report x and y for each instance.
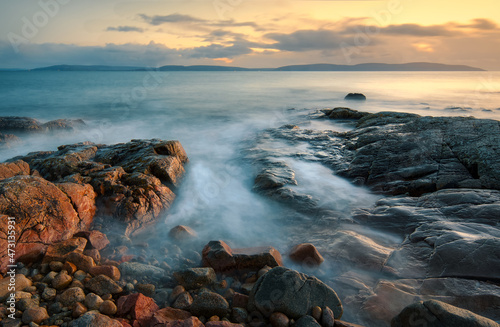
(35, 314)
(78, 310)
(56, 266)
(239, 315)
(183, 301)
(30, 289)
(93, 301)
(327, 317)
(54, 308)
(62, 280)
(22, 295)
(178, 290)
(80, 275)
(279, 319)
(24, 304)
(108, 308)
(263, 271)
(316, 313)
(72, 295)
(107, 297)
(49, 277)
(146, 289)
(214, 318)
(70, 267)
(49, 294)
(77, 283)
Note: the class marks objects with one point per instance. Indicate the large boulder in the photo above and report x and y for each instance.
(132, 181)
(43, 214)
(292, 293)
(438, 314)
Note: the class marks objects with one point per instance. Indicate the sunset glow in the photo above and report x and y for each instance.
(249, 33)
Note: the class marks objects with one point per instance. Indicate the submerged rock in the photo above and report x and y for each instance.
(355, 96)
(344, 113)
(292, 293)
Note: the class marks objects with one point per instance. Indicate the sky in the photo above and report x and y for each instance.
(248, 33)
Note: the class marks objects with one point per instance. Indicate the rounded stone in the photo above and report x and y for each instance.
(209, 304)
(35, 314)
(93, 301)
(108, 307)
(62, 280)
(327, 317)
(316, 313)
(72, 296)
(56, 266)
(279, 319)
(78, 310)
(49, 294)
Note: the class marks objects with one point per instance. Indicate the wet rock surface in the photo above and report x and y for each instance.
(437, 223)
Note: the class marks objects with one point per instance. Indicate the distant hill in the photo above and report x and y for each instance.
(93, 68)
(414, 66)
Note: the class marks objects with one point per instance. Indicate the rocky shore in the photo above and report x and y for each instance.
(78, 212)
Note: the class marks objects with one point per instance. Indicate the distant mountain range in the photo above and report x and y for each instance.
(414, 66)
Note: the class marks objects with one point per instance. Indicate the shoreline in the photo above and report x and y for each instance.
(446, 177)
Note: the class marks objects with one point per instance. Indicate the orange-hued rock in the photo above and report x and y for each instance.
(182, 233)
(43, 215)
(83, 198)
(137, 305)
(307, 254)
(108, 270)
(95, 238)
(58, 251)
(168, 315)
(218, 255)
(11, 169)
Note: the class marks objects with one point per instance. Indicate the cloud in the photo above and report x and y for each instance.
(306, 40)
(125, 29)
(217, 51)
(173, 18)
(143, 55)
(419, 30)
(481, 24)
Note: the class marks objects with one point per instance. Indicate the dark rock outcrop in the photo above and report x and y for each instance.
(344, 113)
(438, 314)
